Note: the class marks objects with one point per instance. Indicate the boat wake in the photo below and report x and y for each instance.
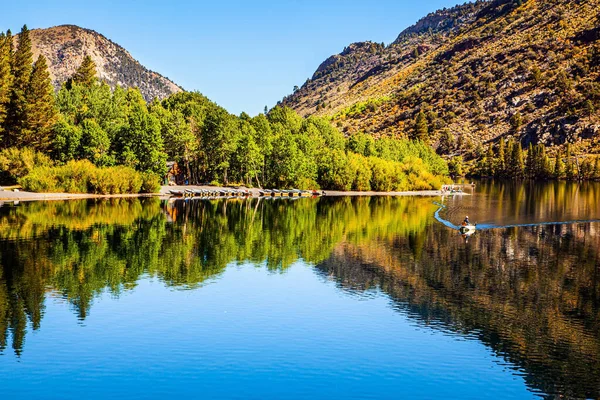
(481, 227)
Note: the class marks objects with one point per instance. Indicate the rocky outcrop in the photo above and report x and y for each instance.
(482, 71)
(65, 47)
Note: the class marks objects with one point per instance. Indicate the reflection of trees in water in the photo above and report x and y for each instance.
(530, 202)
(79, 249)
(532, 295)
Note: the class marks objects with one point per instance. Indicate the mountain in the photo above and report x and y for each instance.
(65, 47)
(480, 71)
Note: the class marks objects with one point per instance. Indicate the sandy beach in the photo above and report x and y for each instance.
(10, 195)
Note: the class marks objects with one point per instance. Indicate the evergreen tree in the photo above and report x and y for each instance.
(536, 75)
(517, 161)
(570, 172)
(490, 167)
(596, 169)
(587, 169)
(558, 170)
(530, 167)
(509, 167)
(446, 142)
(5, 78)
(17, 111)
(547, 173)
(86, 73)
(544, 167)
(501, 162)
(516, 121)
(455, 166)
(421, 127)
(41, 110)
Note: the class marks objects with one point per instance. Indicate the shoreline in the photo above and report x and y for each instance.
(8, 196)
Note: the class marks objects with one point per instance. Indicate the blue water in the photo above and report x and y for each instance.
(316, 298)
(251, 334)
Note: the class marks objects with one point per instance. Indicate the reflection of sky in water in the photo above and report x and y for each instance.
(251, 334)
(389, 302)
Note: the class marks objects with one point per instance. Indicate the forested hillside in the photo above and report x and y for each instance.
(91, 137)
(473, 76)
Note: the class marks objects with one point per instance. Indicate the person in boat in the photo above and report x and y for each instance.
(466, 221)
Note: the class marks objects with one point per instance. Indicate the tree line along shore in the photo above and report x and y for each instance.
(92, 138)
(89, 137)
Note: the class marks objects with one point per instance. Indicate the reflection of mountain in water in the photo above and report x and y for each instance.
(532, 295)
(78, 249)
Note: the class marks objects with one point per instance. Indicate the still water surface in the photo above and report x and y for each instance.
(312, 298)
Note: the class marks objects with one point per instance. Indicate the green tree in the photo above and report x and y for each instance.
(447, 142)
(558, 169)
(490, 165)
(178, 139)
(563, 83)
(501, 161)
(536, 75)
(86, 73)
(95, 144)
(139, 142)
(67, 141)
(596, 171)
(41, 109)
(530, 162)
(517, 161)
(589, 108)
(5, 78)
(516, 121)
(455, 165)
(248, 157)
(264, 140)
(21, 68)
(221, 134)
(570, 171)
(421, 127)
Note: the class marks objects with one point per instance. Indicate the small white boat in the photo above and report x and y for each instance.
(468, 229)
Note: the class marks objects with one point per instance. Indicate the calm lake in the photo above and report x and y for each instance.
(309, 298)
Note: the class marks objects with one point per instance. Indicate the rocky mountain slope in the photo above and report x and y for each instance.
(65, 47)
(481, 71)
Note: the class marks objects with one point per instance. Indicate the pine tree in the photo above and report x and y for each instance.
(41, 110)
(517, 161)
(558, 166)
(596, 172)
(508, 158)
(530, 167)
(86, 73)
(489, 165)
(501, 167)
(421, 128)
(547, 173)
(17, 110)
(446, 142)
(570, 172)
(5, 78)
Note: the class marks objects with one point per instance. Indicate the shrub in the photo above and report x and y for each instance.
(41, 180)
(84, 177)
(150, 183)
(16, 163)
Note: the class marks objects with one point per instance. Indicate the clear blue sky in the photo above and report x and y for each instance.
(242, 54)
